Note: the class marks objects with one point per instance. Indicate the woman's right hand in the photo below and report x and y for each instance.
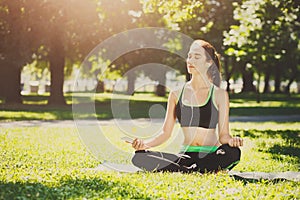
(138, 144)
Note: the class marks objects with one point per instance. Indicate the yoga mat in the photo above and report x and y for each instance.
(108, 166)
(288, 175)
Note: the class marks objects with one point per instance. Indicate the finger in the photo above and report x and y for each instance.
(241, 141)
(141, 144)
(230, 142)
(137, 146)
(237, 142)
(134, 143)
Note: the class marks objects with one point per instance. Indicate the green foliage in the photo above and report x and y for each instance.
(265, 37)
(173, 12)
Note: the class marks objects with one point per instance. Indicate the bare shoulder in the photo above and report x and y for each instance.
(220, 91)
(221, 95)
(174, 94)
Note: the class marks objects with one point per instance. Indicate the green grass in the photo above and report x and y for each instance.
(245, 104)
(35, 108)
(48, 163)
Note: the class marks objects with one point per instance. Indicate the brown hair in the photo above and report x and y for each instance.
(213, 71)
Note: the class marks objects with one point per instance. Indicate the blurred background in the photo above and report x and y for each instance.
(43, 43)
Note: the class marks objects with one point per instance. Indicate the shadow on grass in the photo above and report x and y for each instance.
(262, 111)
(290, 136)
(36, 112)
(277, 151)
(292, 99)
(87, 189)
(123, 109)
(290, 146)
(78, 188)
(137, 109)
(36, 108)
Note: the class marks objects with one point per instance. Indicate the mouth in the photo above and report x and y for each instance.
(191, 67)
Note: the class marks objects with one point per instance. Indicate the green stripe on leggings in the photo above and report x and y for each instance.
(204, 149)
(232, 164)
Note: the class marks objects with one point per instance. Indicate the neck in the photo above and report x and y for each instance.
(200, 82)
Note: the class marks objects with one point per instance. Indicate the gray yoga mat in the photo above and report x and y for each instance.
(107, 166)
(289, 175)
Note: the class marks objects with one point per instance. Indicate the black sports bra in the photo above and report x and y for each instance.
(206, 116)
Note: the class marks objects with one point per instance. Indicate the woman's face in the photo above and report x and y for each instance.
(196, 60)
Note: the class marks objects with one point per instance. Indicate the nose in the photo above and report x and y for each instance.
(189, 61)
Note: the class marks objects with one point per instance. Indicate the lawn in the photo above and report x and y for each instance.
(49, 162)
(34, 107)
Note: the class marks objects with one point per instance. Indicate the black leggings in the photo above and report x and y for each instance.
(225, 157)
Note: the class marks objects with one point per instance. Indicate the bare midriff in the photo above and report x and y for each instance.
(197, 136)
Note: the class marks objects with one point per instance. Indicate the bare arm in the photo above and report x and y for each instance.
(168, 126)
(224, 134)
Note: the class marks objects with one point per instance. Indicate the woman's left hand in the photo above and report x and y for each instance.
(235, 142)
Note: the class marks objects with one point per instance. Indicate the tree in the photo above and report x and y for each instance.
(54, 31)
(69, 36)
(198, 19)
(266, 38)
(18, 42)
(115, 17)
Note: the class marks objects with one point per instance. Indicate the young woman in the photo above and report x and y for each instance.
(202, 109)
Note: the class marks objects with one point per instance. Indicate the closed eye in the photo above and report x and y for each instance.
(196, 56)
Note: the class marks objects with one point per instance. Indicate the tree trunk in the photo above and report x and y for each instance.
(257, 89)
(248, 81)
(293, 66)
(267, 80)
(100, 87)
(57, 64)
(10, 84)
(130, 83)
(287, 88)
(228, 86)
(160, 88)
(2, 81)
(277, 81)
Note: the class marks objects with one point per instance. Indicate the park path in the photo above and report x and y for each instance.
(71, 123)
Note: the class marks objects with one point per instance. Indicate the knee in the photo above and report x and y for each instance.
(138, 158)
(234, 152)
